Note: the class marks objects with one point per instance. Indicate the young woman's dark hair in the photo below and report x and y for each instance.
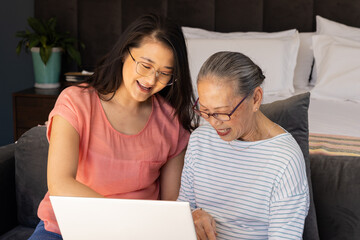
(107, 77)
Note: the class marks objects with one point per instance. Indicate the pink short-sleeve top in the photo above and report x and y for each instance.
(111, 163)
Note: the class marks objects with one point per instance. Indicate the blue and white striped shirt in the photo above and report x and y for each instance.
(254, 190)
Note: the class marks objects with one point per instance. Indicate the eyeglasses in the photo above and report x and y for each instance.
(146, 70)
(219, 116)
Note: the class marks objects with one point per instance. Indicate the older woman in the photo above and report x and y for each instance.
(244, 175)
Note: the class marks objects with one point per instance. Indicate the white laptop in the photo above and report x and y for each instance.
(103, 218)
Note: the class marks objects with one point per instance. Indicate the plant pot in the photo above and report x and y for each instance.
(47, 76)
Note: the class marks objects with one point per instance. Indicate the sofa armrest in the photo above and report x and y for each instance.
(8, 216)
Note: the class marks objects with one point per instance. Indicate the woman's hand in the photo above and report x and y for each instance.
(204, 225)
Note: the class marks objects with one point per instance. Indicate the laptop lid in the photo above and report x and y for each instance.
(104, 218)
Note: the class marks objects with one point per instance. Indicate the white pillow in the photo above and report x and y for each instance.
(327, 27)
(304, 61)
(305, 55)
(275, 56)
(338, 68)
(190, 32)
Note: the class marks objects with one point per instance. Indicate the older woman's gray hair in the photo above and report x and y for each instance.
(233, 66)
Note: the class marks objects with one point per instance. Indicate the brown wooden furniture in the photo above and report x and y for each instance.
(31, 107)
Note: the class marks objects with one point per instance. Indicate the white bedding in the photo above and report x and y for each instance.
(334, 117)
(331, 117)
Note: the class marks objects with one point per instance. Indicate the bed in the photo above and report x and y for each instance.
(297, 42)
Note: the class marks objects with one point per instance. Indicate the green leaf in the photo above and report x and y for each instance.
(37, 25)
(34, 43)
(43, 41)
(50, 28)
(52, 24)
(19, 46)
(45, 54)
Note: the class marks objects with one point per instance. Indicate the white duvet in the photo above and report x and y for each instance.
(335, 117)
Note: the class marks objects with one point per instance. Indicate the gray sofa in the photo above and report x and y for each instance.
(336, 184)
(22, 183)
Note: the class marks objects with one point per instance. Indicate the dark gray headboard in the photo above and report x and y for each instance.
(98, 23)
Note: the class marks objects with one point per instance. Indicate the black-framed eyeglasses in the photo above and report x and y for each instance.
(146, 70)
(218, 116)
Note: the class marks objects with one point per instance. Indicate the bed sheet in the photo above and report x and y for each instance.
(330, 116)
(334, 126)
(334, 117)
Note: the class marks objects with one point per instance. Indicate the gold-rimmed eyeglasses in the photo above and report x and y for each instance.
(146, 70)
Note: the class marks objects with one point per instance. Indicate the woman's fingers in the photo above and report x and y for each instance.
(200, 232)
(210, 232)
(213, 224)
(204, 225)
(198, 237)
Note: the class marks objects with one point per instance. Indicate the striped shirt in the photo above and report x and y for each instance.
(254, 190)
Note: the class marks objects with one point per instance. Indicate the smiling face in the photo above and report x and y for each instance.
(216, 97)
(152, 52)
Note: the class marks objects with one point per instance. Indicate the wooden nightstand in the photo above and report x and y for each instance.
(31, 107)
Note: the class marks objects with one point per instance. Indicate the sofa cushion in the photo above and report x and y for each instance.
(17, 233)
(7, 188)
(336, 182)
(30, 174)
(292, 114)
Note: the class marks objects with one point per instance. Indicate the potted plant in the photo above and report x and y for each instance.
(46, 45)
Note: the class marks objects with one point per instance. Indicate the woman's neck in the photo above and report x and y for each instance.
(124, 101)
(260, 129)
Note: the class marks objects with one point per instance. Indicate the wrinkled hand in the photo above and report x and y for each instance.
(204, 225)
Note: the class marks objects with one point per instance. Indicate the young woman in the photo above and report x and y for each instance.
(244, 175)
(123, 134)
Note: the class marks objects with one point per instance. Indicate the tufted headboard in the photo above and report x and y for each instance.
(99, 23)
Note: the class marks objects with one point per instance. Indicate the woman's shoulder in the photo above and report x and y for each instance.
(286, 139)
(77, 89)
(284, 146)
(163, 110)
(77, 93)
(164, 115)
